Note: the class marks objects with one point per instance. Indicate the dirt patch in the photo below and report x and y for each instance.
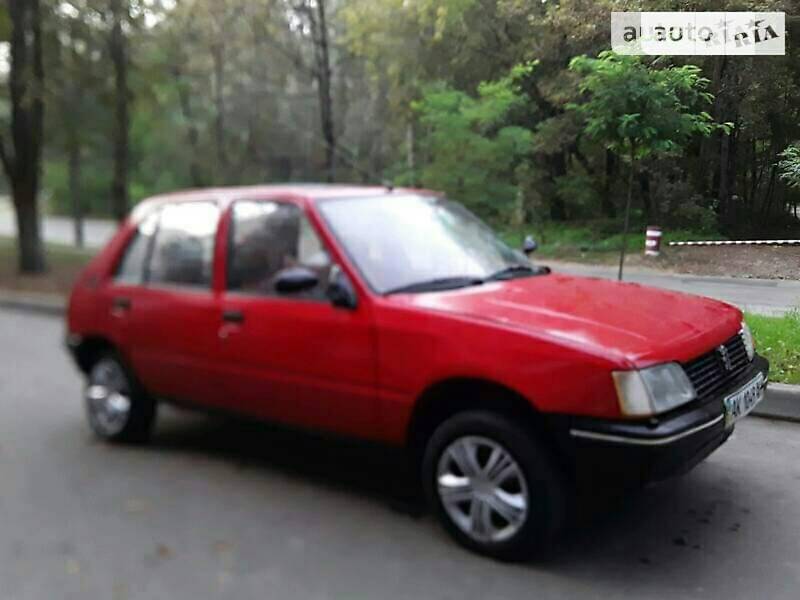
(762, 262)
(64, 266)
(58, 281)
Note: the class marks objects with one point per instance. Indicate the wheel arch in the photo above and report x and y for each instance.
(90, 349)
(448, 397)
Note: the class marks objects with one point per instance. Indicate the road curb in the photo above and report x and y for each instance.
(781, 401)
(44, 304)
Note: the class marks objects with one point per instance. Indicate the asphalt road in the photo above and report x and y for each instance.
(59, 230)
(218, 509)
(766, 296)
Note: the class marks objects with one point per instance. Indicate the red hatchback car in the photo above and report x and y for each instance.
(397, 316)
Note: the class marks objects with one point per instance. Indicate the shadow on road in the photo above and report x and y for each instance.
(674, 525)
(346, 465)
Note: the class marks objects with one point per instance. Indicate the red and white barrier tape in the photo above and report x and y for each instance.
(739, 243)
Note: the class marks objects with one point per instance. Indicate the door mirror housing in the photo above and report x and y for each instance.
(340, 289)
(529, 246)
(295, 279)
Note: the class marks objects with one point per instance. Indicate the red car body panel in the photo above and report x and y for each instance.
(554, 339)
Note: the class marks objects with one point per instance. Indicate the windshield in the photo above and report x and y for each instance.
(402, 241)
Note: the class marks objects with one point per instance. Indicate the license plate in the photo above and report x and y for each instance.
(741, 402)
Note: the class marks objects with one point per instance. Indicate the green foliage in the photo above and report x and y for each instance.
(528, 144)
(95, 185)
(789, 165)
(692, 212)
(471, 150)
(578, 193)
(640, 110)
(5, 24)
(778, 338)
(590, 238)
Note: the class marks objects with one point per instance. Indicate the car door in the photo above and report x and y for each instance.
(169, 319)
(293, 357)
(127, 283)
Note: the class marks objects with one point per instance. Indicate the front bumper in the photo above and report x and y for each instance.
(644, 451)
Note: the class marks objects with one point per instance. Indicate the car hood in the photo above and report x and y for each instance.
(628, 322)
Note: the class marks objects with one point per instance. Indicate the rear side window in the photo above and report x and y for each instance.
(131, 268)
(268, 237)
(183, 252)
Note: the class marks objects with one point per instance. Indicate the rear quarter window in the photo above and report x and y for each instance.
(183, 251)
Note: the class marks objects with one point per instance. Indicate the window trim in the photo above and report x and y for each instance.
(145, 269)
(150, 248)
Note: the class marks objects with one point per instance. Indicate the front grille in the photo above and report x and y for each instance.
(710, 373)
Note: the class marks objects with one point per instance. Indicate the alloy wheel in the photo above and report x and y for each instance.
(108, 398)
(482, 489)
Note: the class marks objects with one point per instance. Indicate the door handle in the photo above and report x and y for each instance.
(120, 305)
(233, 316)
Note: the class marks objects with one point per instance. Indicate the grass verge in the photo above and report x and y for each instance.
(778, 338)
(63, 265)
(593, 241)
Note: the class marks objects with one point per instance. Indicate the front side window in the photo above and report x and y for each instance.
(267, 238)
(132, 266)
(409, 242)
(183, 253)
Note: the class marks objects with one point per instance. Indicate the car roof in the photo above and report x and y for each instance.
(298, 191)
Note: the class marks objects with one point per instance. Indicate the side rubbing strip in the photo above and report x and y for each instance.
(619, 439)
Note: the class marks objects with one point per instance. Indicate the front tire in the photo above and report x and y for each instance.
(495, 490)
(117, 408)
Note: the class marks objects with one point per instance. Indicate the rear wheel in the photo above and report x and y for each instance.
(493, 487)
(118, 409)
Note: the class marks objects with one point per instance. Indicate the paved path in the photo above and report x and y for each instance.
(217, 510)
(59, 230)
(766, 296)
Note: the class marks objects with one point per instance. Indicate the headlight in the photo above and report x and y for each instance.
(747, 338)
(653, 391)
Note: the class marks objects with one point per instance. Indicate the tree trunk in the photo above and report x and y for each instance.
(381, 112)
(193, 135)
(766, 204)
(644, 187)
(31, 248)
(704, 168)
(23, 164)
(218, 57)
(411, 156)
(74, 98)
(627, 218)
(264, 107)
(558, 168)
(119, 59)
(733, 154)
(724, 178)
(609, 210)
(324, 76)
(74, 166)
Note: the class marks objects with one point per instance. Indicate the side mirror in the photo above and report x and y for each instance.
(529, 246)
(340, 289)
(295, 279)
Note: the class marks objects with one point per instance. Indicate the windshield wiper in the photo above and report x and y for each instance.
(513, 271)
(438, 284)
(451, 283)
